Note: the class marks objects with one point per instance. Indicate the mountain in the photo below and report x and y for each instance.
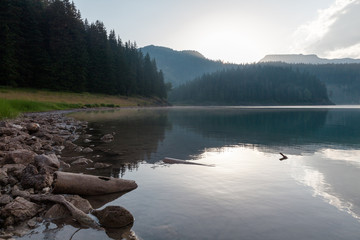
(306, 59)
(182, 66)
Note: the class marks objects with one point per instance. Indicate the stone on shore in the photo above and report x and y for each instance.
(20, 156)
(107, 138)
(99, 165)
(81, 161)
(20, 209)
(114, 217)
(32, 127)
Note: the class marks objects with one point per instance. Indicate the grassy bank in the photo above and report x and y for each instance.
(15, 101)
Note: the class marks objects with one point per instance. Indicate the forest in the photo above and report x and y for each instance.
(45, 44)
(342, 80)
(253, 84)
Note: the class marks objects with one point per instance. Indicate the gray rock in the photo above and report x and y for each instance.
(16, 192)
(32, 127)
(82, 161)
(107, 138)
(5, 199)
(32, 223)
(99, 165)
(87, 140)
(20, 156)
(14, 169)
(48, 162)
(4, 178)
(87, 150)
(114, 217)
(21, 209)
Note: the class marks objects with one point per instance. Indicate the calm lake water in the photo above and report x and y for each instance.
(248, 193)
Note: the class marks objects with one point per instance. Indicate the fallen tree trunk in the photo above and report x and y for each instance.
(76, 213)
(179, 161)
(83, 184)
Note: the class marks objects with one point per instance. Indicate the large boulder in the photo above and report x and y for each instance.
(114, 217)
(20, 156)
(20, 209)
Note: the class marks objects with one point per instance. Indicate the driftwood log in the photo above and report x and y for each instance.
(76, 213)
(88, 185)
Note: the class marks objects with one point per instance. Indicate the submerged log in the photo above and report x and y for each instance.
(82, 184)
(77, 214)
(179, 161)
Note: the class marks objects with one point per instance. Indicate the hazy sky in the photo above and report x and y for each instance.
(234, 30)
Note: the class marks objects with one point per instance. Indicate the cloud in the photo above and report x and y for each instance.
(334, 34)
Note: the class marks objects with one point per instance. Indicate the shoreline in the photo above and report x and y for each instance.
(32, 148)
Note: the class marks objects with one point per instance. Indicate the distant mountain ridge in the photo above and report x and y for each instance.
(182, 66)
(305, 59)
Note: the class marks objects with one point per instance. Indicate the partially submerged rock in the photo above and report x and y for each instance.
(107, 138)
(99, 165)
(114, 217)
(82, 184)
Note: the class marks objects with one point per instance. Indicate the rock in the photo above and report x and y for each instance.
(5, 199)
(59, 211)
(14, 169)
(20, 156)
(70, 145)
(87, 150)
(114, 217)
(82, 161)
(4, 178)
(6, 131)
(78, 149)
(87, 140)
(21, 209)
(64, 164)
(101, 165)
(32, 127)
(48, 162)
(16, 192)
(32, 223)
(107, 138)
(31, 178)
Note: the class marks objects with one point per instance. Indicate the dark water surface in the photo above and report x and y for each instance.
(249, 193)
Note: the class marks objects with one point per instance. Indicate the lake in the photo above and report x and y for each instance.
(247, 192)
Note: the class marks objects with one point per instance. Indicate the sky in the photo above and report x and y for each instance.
(236, 31)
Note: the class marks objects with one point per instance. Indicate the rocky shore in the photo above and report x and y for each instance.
(31, 165)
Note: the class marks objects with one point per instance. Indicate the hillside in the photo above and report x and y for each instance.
(182, 66)
(253, 84)
(305, 59)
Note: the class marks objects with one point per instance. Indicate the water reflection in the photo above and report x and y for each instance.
(305, 195)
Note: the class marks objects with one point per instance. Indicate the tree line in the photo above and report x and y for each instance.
(46, 44)
(253, 84)
(342, 80)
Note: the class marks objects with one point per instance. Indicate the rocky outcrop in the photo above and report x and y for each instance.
(31, 160)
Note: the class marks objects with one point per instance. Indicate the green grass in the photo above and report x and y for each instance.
(11, 108)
